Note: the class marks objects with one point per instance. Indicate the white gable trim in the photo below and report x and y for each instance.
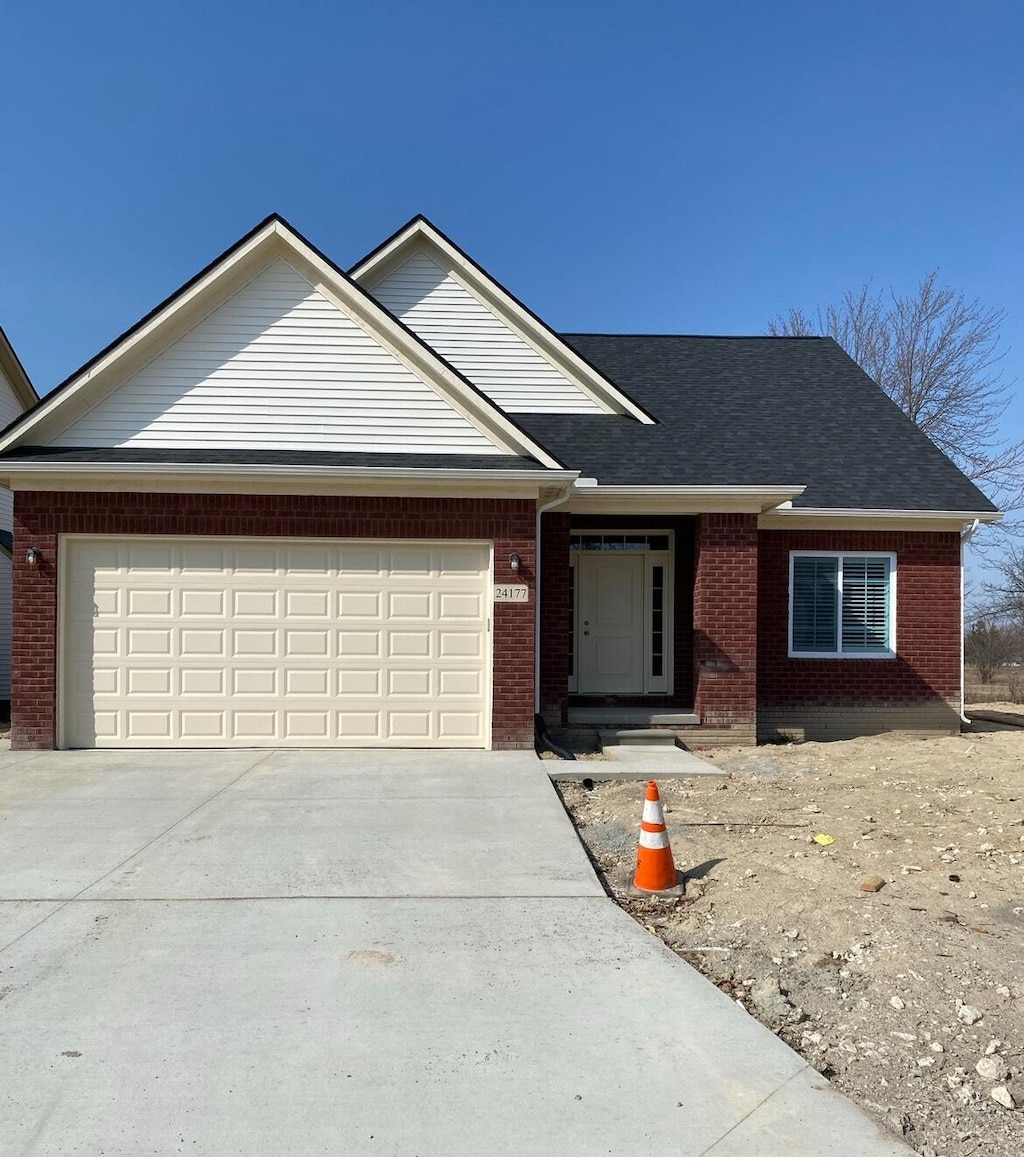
(419, 236)
(269, 241)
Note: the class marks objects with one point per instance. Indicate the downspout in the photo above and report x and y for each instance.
(564, 497)
(965, 538)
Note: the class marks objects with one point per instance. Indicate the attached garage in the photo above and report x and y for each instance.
(226, 642)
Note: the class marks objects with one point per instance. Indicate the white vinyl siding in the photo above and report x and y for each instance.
(278, 366)
(477, 342)
(842, 605)
(278, 643)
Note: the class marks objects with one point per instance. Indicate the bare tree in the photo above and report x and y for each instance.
(936, 354)
(986, 647)
(1004, 594)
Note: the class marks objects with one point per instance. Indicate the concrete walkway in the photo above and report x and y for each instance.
(352, 952)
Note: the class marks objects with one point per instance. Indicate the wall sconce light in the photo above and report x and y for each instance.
(514, 561)
(32, 556)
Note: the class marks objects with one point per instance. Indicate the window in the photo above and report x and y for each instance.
(634, 542)
(842, 605)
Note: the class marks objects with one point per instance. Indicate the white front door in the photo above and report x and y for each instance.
(611, 623)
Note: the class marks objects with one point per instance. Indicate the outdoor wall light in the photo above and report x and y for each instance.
(32, 556)
(514, 561)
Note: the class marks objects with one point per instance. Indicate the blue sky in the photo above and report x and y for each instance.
(671, 167)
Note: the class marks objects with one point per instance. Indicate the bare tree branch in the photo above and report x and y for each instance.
(936, 354)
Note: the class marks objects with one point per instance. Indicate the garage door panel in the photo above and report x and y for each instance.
(202, 604)
(308, 605)
(255, 604)
(228, 643)
(360, 683)
(202, 681)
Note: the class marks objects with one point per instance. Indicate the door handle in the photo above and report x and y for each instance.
(586, 632)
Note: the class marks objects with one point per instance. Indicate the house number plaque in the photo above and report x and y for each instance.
(511, 593)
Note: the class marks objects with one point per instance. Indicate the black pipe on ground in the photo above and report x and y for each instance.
(542, 741)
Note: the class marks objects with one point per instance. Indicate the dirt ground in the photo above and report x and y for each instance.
(909, 998)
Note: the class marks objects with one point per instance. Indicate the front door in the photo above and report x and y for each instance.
(611, 623)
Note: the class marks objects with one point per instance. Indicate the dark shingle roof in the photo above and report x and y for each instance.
(215, 457)
(754, 411)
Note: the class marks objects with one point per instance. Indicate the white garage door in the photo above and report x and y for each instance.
(230, 643)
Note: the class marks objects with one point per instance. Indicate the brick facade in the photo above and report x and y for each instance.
(919, 688)
(40, 517)
(725, 624)
(555, 613)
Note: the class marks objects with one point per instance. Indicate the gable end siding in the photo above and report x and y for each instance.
(478, 343)
(277, 366)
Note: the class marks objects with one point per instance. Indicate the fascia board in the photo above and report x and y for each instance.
(679, 499)
(14, 466)
(230, 478)
(477, 281)
(852, 518)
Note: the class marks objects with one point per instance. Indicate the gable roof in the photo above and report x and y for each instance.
(756, 411)
(14, 374)
(419, 238)
(272, 238)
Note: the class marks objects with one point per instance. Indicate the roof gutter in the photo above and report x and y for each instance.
(875, 512)
(14, 467)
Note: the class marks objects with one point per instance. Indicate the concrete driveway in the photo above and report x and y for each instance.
(395, 953)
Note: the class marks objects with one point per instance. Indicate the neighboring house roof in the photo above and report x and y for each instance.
(755, 411)
(13, 372)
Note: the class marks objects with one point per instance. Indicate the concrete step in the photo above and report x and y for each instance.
(615, 717)
(637, 737)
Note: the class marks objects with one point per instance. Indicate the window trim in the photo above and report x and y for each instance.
(890, 625)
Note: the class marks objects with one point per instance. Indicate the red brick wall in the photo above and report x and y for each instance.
(927, 665)
(554, 615)
(725, 620)
(39, 517)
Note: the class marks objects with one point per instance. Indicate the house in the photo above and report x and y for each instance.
(17, 394)
(295, 506)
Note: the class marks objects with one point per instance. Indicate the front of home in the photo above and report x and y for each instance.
(295, 506)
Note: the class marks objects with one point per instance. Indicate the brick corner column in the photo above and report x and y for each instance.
(34, 643)
(725, 624)
(554, 617)
(514, 641)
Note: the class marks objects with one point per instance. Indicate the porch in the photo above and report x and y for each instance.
(649, 622)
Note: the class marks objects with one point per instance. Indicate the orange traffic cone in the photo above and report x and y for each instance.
(655, 868)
